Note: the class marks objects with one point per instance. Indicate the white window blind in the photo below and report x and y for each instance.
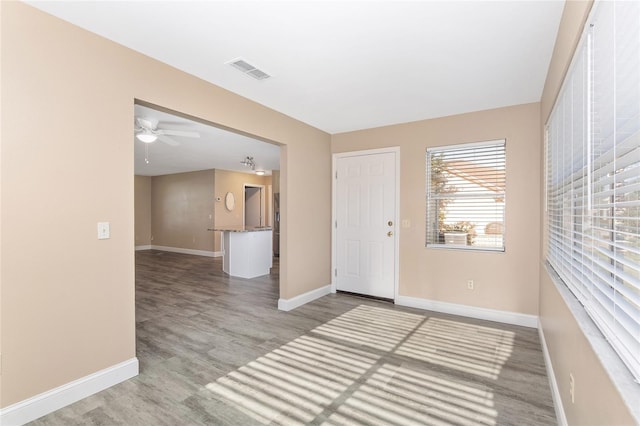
(593, 177)
(466, 195)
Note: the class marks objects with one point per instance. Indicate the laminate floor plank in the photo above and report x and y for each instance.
(214, 350)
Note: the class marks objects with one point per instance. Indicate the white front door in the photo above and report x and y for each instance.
(366, 224)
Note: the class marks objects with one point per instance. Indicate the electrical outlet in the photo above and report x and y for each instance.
(470, 284)
(572, 388)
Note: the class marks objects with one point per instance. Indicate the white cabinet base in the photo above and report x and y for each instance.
(247, 254)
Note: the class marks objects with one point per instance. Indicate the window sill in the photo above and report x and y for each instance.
(619, 374)
(464, 248)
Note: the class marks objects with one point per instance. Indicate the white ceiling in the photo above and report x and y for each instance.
(336, 65)
(344, 65)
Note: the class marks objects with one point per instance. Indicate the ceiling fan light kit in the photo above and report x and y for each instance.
(147, 131)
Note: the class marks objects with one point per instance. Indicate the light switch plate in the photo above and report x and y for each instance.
(103, 230)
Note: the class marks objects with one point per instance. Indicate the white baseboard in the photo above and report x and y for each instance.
(147, 247)
(295, 302)
(47, 402)
(205, 253)
(555, 392)
(469, 311)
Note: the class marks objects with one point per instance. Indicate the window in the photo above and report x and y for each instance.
(466, 196)
(593, 177)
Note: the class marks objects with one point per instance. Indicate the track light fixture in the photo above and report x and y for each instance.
(249, 163)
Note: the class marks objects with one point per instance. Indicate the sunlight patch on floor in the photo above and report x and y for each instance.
(377, 328)
(465, 347)
(336, 374)
(294, 383)
(400, 396)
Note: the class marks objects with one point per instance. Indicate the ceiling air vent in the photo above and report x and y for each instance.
(248, 69)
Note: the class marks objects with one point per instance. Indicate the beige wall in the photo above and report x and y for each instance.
(182, 210)
(276, 181)
(597, 402)
(62, 316)
(1, 185)
(233, 182)
(503, 281)
(573, 18)
(142, 206)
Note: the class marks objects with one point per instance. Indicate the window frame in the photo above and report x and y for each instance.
(432, 223)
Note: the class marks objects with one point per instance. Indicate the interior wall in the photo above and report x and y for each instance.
(1, 185)
(275, 177)
(182, 209)
(74, 302)
(305, 226)
(574, 16)
(142, 206)
(597, 401)
(184, 205)
(227, 181)
(502, 281)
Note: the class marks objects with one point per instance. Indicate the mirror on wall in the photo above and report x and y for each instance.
(229, 201)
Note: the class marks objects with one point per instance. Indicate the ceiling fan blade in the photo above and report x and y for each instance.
(168, 140)
(183, 133)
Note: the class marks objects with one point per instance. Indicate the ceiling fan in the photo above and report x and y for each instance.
(147, 131)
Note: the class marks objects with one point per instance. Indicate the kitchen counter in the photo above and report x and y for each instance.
(247, 250)
(241, 228)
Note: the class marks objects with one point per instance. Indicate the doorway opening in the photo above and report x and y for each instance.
(255, 205)
(188, 169)
(185, 169)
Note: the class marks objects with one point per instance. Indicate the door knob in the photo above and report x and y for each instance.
(390, 233)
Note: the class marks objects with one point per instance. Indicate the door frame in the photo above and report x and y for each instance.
(396, 261)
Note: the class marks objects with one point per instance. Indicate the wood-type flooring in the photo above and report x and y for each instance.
(215, 350)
